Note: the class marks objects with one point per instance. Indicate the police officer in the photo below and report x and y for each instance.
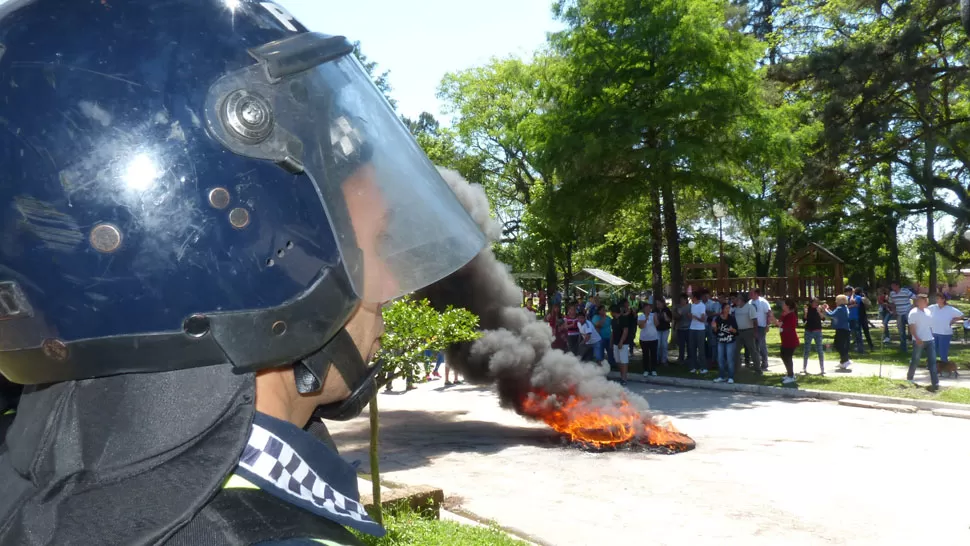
(204, 207)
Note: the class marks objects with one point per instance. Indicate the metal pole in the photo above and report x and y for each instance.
(722, 274)
(375, 471)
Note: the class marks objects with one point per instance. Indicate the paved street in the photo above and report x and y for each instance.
(862, 369)
(765, 471)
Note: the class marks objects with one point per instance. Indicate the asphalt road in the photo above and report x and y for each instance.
(765, 472)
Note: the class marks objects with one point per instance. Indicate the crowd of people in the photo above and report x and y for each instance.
(711, 332)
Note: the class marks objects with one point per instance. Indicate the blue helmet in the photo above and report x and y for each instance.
(195, 183)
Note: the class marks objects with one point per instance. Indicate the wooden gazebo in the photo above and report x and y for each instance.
(815, 272)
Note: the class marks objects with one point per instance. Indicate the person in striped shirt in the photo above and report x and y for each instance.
(901, 302)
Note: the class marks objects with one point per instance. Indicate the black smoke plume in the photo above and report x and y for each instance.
(515, 351)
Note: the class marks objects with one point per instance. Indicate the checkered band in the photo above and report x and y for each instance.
(274, 460)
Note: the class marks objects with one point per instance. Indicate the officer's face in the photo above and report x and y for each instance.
(369, 218)
(367, 210)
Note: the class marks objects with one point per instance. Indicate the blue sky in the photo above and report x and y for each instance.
(420, 41)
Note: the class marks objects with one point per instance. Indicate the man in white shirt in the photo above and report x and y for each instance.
(746, 315)
(590, 346)
(649, 338)
(764, 311)
(696, 339)
(921, 328)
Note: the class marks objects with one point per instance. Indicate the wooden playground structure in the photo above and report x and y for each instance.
(813, 272)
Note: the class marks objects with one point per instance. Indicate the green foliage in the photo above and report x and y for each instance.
(407, 528)
(830, 122)
(413, 327)
(889, 83)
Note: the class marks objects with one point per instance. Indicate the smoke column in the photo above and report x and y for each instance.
(515, 351)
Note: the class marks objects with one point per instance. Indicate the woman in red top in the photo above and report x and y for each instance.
(789, 338)
(572, 329)
(554, 319)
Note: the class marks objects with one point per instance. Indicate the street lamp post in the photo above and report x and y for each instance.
(720, 212)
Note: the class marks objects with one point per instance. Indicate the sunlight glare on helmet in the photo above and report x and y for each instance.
(232, 5)
(141, 173)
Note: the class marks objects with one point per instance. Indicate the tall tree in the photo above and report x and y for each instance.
(654, 94)
(890, 83)
(495, 109)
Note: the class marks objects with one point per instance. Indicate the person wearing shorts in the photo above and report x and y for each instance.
(621, 342)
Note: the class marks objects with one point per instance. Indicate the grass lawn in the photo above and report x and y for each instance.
(407, 528)
(833, 381)
(885, 354)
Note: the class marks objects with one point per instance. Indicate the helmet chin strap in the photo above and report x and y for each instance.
(340, 354)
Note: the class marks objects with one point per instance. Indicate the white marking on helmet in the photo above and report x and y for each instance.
(281, 15)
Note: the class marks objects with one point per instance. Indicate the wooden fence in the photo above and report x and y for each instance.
(801, 289)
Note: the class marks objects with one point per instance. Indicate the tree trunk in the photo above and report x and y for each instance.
(673, 238)
(893, 271)
(781, 251)
(656, 240)
(568, 270)
(551, 277)
(929, 160)
(930, 235)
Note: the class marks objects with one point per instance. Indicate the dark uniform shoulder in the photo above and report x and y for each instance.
(252, 516)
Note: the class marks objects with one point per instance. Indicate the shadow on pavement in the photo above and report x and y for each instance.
(684, 403)
(413, 438)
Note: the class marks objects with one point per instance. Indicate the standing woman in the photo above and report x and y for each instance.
(726, 328)
(604, 324)
(664, 320)
(813, 332)
(840, 321)
(554, 319)
(789, 338)
(572, 329)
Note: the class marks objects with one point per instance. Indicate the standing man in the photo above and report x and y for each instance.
(746, 315)
(697, 340)
(621, 340)
(593, 308)
(682, 316)
(921, 328)
(901, 302)
(631, 323)
(764, 311)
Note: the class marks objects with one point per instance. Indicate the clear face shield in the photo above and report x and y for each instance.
(310, 107)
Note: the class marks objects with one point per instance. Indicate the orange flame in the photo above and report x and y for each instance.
(584, 422)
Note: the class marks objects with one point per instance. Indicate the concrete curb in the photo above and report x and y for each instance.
(959, 414)
(430, 502)
(785, 392)
(898, 408)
